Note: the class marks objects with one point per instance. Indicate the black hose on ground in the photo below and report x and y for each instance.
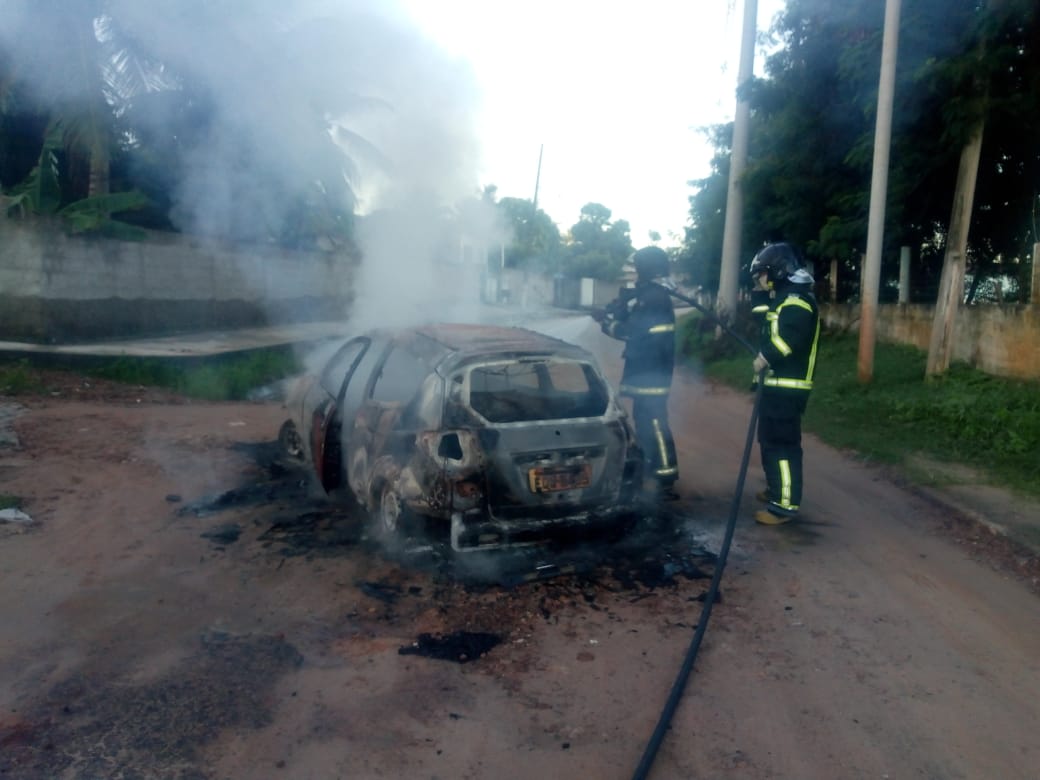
(663, 723)
(709, 599)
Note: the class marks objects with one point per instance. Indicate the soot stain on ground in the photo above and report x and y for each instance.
(654, 552)
(458, 646)
(106, 728)
(321, 532)
(278, 482)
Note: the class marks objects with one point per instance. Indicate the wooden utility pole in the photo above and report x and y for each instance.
(729, 273)
(871, 277)
(951, 283)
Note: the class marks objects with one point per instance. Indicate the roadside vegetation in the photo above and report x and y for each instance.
(225, 378)
(965, 71)
(965, 417)
(17, 378)
(228, 378)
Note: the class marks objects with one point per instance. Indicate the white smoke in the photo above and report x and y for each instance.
(277, 72)
(285, 80)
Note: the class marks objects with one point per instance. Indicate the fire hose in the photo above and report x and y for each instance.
(672, 703)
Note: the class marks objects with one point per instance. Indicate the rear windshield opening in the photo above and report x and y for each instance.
(529, 391)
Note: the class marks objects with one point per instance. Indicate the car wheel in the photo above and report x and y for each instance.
(389, 514)
(289, 439)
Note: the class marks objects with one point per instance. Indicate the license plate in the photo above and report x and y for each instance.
(548, 479)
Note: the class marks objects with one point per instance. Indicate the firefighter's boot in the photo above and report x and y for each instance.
(765, 517)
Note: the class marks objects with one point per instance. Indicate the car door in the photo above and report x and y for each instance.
(326, 418)
(383, 429)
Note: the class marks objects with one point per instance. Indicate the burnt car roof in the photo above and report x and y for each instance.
(466, 340)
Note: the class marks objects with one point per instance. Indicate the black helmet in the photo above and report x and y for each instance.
(651, 262)
(782, 263)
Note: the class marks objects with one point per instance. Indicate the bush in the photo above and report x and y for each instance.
(966, 416)
(17, 379)
(224, 378)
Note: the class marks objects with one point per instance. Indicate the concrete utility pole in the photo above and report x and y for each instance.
(1034, 290)
(951, 283)
(904, 274)
(878, 195)
(729, 273)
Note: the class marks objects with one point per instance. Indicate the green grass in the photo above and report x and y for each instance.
(222, 378)
(17, 379)
(228, 378)
(966, 417)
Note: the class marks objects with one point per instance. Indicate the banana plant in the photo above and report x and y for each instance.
(40, 194)
(40, 191)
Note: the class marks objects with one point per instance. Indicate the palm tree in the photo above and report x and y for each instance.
(112, 85)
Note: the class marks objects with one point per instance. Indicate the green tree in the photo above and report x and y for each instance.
(139, 110)
(535, 240)
(229, 164)
(65, 66)
(701, 252)
(811, 139)
(598, 247)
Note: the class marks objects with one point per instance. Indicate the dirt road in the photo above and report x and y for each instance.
(182, 606)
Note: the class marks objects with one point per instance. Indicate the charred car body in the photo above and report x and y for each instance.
(499, 434)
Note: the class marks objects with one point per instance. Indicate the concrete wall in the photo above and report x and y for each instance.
(999, 339)
(582, 293)
(525, 288)
(56, 288)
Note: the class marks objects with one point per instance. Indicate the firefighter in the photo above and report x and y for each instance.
(644, 319)
(790, 330)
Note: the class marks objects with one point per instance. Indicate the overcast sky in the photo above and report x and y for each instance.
(615, 92)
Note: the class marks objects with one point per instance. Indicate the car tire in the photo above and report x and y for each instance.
(394, 525)
(389, 515)
(289, 440)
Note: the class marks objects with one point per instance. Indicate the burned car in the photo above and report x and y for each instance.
(498, 436)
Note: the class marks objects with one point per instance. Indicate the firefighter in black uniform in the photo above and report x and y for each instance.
(790, 331)
(644, 319)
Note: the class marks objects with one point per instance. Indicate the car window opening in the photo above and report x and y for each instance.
(533, 391)
(342, 364)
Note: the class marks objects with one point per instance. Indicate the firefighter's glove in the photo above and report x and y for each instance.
(760, 363)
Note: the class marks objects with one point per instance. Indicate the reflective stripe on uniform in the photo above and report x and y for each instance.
(662, 329)
(634, 390)
(793, 384)
(666, 468)
(773, 317)
(812, 354)
(785, 485)
(792, 300)
(759, 309)
(774, 324)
